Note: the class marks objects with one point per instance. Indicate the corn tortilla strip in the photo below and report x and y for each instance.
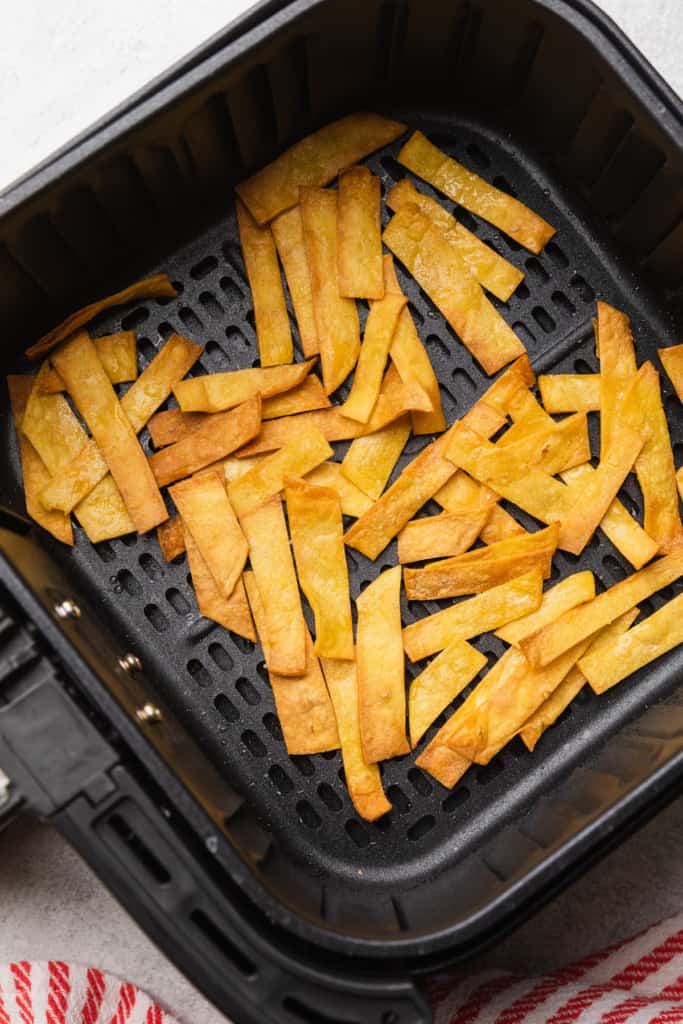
(206, 512)
(505, 603)
(492, 271)
(370, 460)
(171, 538)
(411, 360)
(501, 393)
(288, 232)
(499, 526)
(210, 442)
(336, 318)
(440, 683)
(551, 709)
(367, 380)
(234, 467)
(216, 392)
(273, 332)
(379, 657)
(270, 554)
(118, 355)
(483, 568)
(442, 273)
(268, 477)
(359, 233)
(568, 593)
(315, 526)
(447, 534)
(570, 392)
(617, 365)
(303, 703)
(152, 387)
(463, 494)
(157, 287)
(34, 472)
(555, 638)
(527, 415)
(354, 502)
(362, 779)
(617, 524)
(551, 450)
(465, 187)
(672, 360)
(315, 160)
(232, 613)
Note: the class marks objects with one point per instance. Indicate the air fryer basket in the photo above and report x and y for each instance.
(250, 868)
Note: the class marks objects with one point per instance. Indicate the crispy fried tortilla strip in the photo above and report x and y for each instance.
(336, 318)
(288, 232)
(359, 233)
(172, 425)
(672, 361)
(441, 682)
(219, 391)
(96, 401)
(270, 310)
(555, 638)
(235, 467)
(206, 512)
(501, 393)
(570, 392)
(152, 387)
(367, 380)
(232, 613)
(303, 702)
(568, 593)
(551, 450)
(363, 780)
(463, 494)
(379, 657)
(442, 536)
(528, 417)
(499, 526)
(118, 355)
(282, 630)
(157, 287)
(315, 160)
(315, 526)
(34, 472)
(648, 640)
(354, 502)
(208, 443)
(465, 187)
(268, 477)
(370, 460)
(517, 598)
(551, 709)
(492, 271)
(617, 366)
(441, 271)
(171, 538)
(483, 568)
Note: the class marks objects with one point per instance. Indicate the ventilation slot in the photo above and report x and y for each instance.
(155, 869)
(301, 1012)
(223, 944)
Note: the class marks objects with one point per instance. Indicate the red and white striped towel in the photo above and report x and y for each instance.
(639, 981)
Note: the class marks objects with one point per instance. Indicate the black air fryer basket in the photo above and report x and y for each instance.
(148, 734)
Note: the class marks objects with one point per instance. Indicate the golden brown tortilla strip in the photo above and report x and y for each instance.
(528, 416)
(367, 380)
(263, 272)
(465, 187)
(441, 682)
(617, 365)
(315, 160)
(568, 593)
(440, 270)
(217, 392)
(288, 232)
(463, 494)
(359, 235)
(232, 613)
(370, 460)
(171, 538)
(442, 536)
(499, 526)
(354, 502)
(157, 287)
(118, 355)
(672, 361)
(336, 318)
(570, 392)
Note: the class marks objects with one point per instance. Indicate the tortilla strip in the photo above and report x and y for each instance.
(315, 526)
(551, 709)
(359, 234)
(152, 387)
(570, 392)
(363, 780)
(501, 393)
(440, 270)
(568, 593)
(207, 443)
(171, 538)
(499, 526)
(370, 460)
(554, 639)
(528, 416)
(440, 683)
(483, 568)
(157, 287)
(672, 361)
(552, 450)
(232, 613)
(283, 625)
(263, 272)
(207, 513)
(463, 494)
(288, 232)
(216, 392)
(354, 502)
(492, 271)
(447, 534)
(367, 380)
(315, 160)
(379, 657)
(505, 603)
(269, 476)
(465, 187)
(96, 401)
(336, 318)
(617, 366)
(235, 467)
(411, 360)
(118, 355)
(34, 472)
(648, 640)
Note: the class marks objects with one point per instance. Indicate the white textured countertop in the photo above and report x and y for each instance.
(64, 63)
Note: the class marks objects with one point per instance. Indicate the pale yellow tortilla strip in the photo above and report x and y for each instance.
(217, 392)
(359, 234)
(441, 682)
(568, 593)
(617, 365)
(570, 392)
(118, 355)
(367, 380)
(370, 460)
(288, 233)
(232, 613)
(441, 536)
(354, 502)
(263, 272)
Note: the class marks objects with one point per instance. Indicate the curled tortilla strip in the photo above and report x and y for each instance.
(568, 593)
(672, 361)
(288, 232)
(171, 538)
(270, 310)
(216, 392)
(232, 613)
(440, 683)
(442, 536)
(370, 460)
(354, 502)
(570, 392)
(367, 380)
(359, 234)
(118, 355)
(617, 366)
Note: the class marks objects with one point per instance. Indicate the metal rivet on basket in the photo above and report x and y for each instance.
(67, 609)
(149, 714)
(130, 663)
